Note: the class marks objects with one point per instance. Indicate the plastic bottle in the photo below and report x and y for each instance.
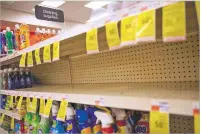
(27, 122)
(22, 78)
(44, 125)
(1, 79)
(9, 41)
(19, 127)
(106, 121)
(82, 118)
(17, 36)
(120, 120)
(38, 35)
(35, 124)
(5, 79)
(142, 126)
(4, 46)
(11, 84)
(24, 36)
(28, 79)
(96, 127)
(70, 121)
(16, 78)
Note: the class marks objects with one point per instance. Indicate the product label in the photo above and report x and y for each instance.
(22, 60)
(34, 105)
(196, 113)
(37, 56)
(19, 102)
(46, 54)
(30, 59)
(56, 51)
(62, 110)
(42, 106)
(174, 22)
(48, 107)
(92, 41)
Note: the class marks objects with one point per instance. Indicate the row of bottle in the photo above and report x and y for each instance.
(15, 79)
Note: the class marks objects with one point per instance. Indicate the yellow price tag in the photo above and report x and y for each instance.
(92, 41)
(37, 56)
(28, 104)
(56, 51)
(196, 113)
(2, 118)
(12, 125)
(62, 110)
(128, 30)
(19, 103)
(22, 60)
(174, 22)
(30, 59)
(34, 105)
(11, 102)
(42, 106)
(112, 35)
(46, 54)
(48, 107)
(146, 26)
(197, 6)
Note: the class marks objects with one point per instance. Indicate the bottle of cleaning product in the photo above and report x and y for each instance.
(5, 79)
(35, 124)
(82, 119)
(44, 125)
(13, 40)
(22, 78)
(1, 79)
(11, 82)
(19, 127)
(132, 118)
(9, 41)
(4, 46)
(24, 36)
(142, 126)
(27, 122)
(95, 126)
(71, 127)
(17, 36)
(28, 79)
(120, 120)
(57, 126)
(16, 78)
(106, 121)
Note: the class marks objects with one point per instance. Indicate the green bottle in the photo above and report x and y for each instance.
(27, 119)
(35, 123)
(9, 41)
(44, 125)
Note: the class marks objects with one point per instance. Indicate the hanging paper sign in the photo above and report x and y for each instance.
(128, 31)
(197, 6)
(196, 113)
(146, 26)
(2, 118)
(28, 104)
(62, 110)
(19, 102)
(112, 35)
(56, 51)
(37, 56)
(42, 106)
(159, 118)
(30, 60)
(34, 105)
(46, 54)
(174, 22)
(11, 102)
(22, 60)
(92, 41)
(48, 107)
(12, 125)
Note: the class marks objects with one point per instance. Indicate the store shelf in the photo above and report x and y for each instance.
(11, 114)
(2, 131)
(179, 95)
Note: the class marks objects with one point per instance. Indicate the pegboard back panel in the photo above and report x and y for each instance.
(53, 73)
(145, 62)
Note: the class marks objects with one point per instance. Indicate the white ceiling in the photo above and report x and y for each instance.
(73, 10)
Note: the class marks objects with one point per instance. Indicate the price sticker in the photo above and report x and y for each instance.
(196, 113)
(37, 56)
(56, 51)
(19, 103)
(30, 59)
(42, 106)
(62, 110)
(46, 54)
(22, 60)
(92, 41)
(99, 101)
(34, 105)
(12, 125)
(48, 107)
(2, 118)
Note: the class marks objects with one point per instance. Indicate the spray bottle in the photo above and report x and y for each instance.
(22, 78)
(38, 35)
(70, 121)
(44, 125)
(35, 123)
(5, 79)
(82, 118)
(106, 121)
(53, 33)
(9, 41)
(10, 79)
(28, 79)
(1, 79)
(17, 36)
(24, 36)
(95, 126)
(4, 46)
(57, 126)
(120, 120)
(16, 78)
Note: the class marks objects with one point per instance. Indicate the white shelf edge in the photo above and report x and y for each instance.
(11, 114)
(2, 131)
(177, 106)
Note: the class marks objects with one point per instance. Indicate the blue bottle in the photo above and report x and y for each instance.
(71, 127)
(11, 83)
(22, 79)
(28, 79)
(16, 78)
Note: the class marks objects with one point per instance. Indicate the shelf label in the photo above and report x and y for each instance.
(46, 54)
(34, 105)
(12, 125)
(112, 35)
(28, 104)
(22, 60)
(62, 110)
(159, 118)
(197, 6)
(99, 101)
(174, 22)
(128, 30)
(42, 106)
(30, 59)
(11, 102)
(196, 113)
(48, 107)
(37, 56)
(146, 26)
(2, 118)
(92, 41)
(20, 102)
(56, 51)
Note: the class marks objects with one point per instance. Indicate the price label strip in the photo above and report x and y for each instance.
(196, 113)
(46, 54)
(19, 103)
(62, 110)
(34, 105)
(42, 106)
(22, 60)
(159, 118)
(92, 41)
(56, 51)
(30, 59)
(37, 56)
(48, 107)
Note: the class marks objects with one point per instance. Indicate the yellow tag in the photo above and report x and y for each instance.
(2, 118)
(92, 41)
(11, 102)
(197, 123)
(112, 35)
(174, 22)
(48, 107)
(28, 104)
(46, 54)
(37, 56)
(104, 108)
(42, 106)
(30, 60)
(128, 30)
(22, 60)
(34, 105)
(62, 110)
(12, 125)
(146, 26)
(19, 103)
(197, 6)
(159, 122)
(56, 51)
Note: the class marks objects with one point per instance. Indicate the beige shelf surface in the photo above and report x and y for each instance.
(11, 114)
(2, 131)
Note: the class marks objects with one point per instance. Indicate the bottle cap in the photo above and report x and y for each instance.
(70, 113)
(43, 30)
(16, 69)
(48, 31)
(53, 32)
(119, 113)
(105, 118)
(7, 28)
(4, 31)
(17, 26)
(10, 70)
(55, 108)
(5, 70)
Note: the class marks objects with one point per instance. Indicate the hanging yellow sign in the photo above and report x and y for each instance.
(22, 60)
(28, 105)
(48, 107)
(197, 6)
(62, 110)
(34, 105)
(56, 51)
(128, 30)
(19, 102)
(46, 54)
(12, 125)
(174, 22)
(92, 41)
(30, 59)
(2, 118)
(146, 26)
(37, 56)
(11, 102)
(196, 113)
(42, 106)
(112, 35)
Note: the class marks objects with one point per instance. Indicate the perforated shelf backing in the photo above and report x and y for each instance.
(148, 62)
